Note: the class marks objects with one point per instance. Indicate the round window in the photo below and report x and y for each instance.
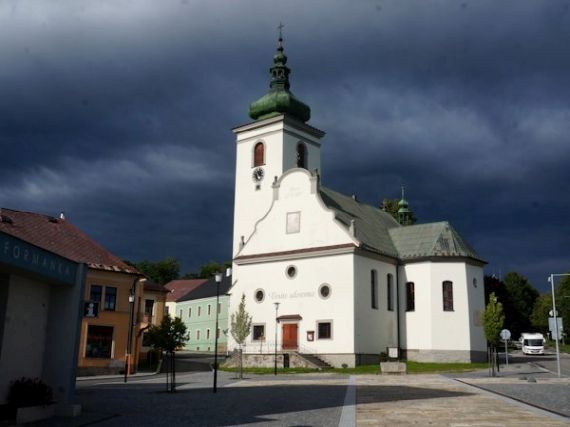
(259, 295)
(325, 291)
(291, 271)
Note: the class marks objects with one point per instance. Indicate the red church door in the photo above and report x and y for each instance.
(290, 336)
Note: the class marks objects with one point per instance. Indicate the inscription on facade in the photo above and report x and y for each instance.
(292, 295)
(23, 255)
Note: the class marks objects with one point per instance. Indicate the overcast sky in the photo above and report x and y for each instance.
(120, 113)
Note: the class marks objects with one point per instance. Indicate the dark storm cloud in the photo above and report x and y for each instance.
(119, 112)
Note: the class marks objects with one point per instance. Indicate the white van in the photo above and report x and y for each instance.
(532, 343)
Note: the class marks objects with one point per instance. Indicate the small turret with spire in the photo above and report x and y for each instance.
(279, 99)
(405, 215)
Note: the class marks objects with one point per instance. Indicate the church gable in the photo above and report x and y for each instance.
(297, 220)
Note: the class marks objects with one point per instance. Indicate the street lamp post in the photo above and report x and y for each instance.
(132, 296)
(218, 277)
(555, 315)
(275, 355)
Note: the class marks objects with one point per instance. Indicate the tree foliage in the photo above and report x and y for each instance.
(241, 323)
(562, 292)
(161, 272)
(518, 305)
(240, 329)
(208, 270)
(169, 335)
(539, 315)
(493, 319)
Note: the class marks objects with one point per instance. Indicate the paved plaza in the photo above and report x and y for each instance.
(456, 400)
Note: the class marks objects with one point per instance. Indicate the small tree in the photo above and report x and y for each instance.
(168, 337)
(240, 329)
(493, 319)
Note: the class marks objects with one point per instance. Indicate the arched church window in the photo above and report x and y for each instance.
(389, 292)
(410, 297)
(447, 290)
(301, 155)
(374, 288)
(259, 154)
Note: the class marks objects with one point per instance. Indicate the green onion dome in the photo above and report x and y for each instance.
(279, 99)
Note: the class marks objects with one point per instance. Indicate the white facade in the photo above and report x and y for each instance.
(282, 222)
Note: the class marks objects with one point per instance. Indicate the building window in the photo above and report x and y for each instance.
(324, 330)
(199, 311)
(110, 298)
(374, 289)
(389, 292)
(259, 154)
(259, 295)
(301, 155)
(324, 291)
(99, 342)
(258, 332)
(189, 334)
(189, 311)
(166, 310)
(218, 333)
(181, 314)
(219, 308)
(447, 296)
(96, 293)
(148, 307)
(209, 309)
(198, 334)
(410, 297)
(207, 334)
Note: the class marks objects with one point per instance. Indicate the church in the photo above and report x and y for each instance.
(328, 278)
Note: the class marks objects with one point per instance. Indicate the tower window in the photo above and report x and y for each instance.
(259, 154)
(410, 297)
(301, 155)
(374, 289)
(447, 295)
(389, 291)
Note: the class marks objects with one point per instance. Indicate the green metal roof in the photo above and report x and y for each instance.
(379, 232)
(436, 239)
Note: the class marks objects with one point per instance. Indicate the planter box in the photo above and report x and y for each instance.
(30, 414)
(397, 368)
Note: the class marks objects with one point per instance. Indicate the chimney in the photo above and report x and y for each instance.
(354, 198)
(61, 215)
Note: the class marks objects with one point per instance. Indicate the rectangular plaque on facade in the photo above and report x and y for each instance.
(293, 222)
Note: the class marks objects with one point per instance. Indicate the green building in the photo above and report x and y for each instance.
(197, 309)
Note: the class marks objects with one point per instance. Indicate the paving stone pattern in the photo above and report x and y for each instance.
(433, 400)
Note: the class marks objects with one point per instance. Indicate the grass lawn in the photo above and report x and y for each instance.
(565, 348)
(413, 368)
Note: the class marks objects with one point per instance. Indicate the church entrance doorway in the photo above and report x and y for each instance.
(290, 336)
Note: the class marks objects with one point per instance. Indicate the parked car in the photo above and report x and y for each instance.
(532, 343)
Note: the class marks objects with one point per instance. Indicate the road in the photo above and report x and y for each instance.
(546, 361)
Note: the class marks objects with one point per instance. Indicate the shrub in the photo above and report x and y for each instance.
(29, 392)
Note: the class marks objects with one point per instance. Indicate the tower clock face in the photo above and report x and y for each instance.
(258, 174)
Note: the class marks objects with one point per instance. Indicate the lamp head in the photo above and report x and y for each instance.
(218, 277)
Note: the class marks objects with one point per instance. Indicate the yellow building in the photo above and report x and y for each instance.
(153, 310)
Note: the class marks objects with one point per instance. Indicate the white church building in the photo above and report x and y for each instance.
(328, 276)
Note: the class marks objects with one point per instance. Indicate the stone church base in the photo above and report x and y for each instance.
(295, 360)
(445, 356)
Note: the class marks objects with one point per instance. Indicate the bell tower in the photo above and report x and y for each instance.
(277, 140)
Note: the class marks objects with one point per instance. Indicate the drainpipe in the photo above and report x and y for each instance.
(398, 306)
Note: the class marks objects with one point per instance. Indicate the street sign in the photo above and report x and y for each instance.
(551, 313)
(505, 334)
(552, 327)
